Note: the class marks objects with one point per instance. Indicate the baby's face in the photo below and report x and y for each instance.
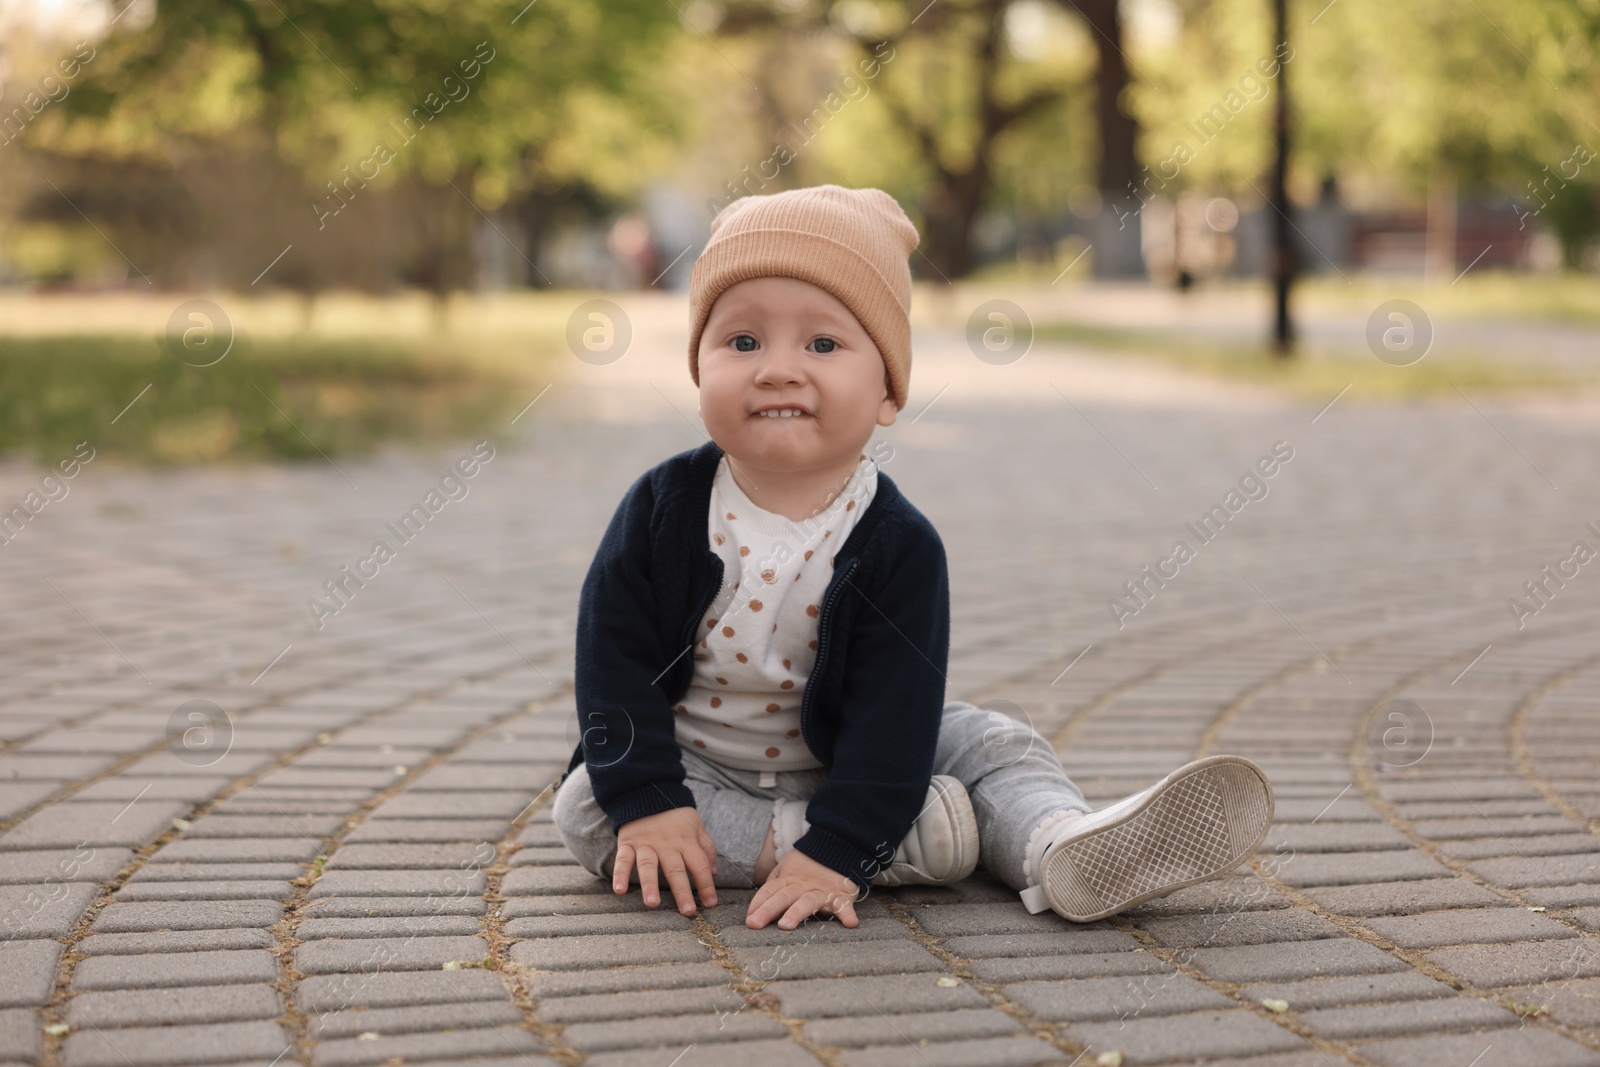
(781, 341)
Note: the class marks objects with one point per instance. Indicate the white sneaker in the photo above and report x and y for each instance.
(942, 846)
(1199, 821)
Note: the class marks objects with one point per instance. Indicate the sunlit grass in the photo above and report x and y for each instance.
(355, 375)
(1318, 374)
(1063, 309)
(1478, 294)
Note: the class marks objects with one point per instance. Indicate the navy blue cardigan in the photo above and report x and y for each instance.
(871, 707)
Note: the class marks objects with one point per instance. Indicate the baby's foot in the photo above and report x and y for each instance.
(942, 846)
(1199, 821)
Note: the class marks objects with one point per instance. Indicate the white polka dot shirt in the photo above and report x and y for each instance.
(759, 638)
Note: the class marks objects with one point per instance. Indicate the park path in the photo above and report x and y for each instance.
(357, 866)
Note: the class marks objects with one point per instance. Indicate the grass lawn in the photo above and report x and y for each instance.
(1313, 375)
(1568, 298)
(1481, 294)
(366, 373)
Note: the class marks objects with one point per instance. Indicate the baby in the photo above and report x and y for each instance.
(763, 634)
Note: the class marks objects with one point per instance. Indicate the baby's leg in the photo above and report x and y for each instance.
(739, 824)
(1014, 779)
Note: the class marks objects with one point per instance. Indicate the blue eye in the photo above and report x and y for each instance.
(824, 344)
(740, 346)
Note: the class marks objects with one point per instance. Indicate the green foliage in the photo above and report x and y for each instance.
(326, 80)
(1384, 94)
(1574, 214)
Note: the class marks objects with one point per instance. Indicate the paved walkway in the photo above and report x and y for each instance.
(357, 865)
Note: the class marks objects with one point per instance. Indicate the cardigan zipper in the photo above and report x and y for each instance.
(822, 648)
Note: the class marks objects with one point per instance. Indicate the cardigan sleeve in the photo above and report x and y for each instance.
(891, 705)
(627, 733)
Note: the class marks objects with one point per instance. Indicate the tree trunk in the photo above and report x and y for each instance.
(951, 213)
(1116, 239)
(1119, 131)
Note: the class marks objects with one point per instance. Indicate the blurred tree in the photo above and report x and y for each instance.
(1495, 97)
(1117, 172)
(1119, 130)
(955, 83)
(469, 103)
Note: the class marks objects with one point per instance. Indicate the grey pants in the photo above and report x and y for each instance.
(1009, 770)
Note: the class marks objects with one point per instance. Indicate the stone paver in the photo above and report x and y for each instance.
(369, 874)
(260, 1040)
(173, 969)
(188, 915)
(152, 1007)
(30, 972)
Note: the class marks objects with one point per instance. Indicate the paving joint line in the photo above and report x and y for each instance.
(1064, 736)
(1515, 728)
(1349, 924)
(52, 1045)
(71, 789)
(1231, 991)
(1208, 739)
(1413, 958)
(285, 931)
(961, 967)
(752, 990)
(492, 925)
(55, 1012)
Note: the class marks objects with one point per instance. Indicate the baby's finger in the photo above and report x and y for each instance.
(762, 911)
(802, 909)
(708, 847)
(647, 875)
(678, 879)
(622, 868)
(704, 872)
(756, 901)
(842, 907)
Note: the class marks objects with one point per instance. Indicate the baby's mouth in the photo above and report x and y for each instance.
(776, 414)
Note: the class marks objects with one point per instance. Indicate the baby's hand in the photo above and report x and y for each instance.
(799, 887)
(675, 842)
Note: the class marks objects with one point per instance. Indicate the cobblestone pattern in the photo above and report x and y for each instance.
(369, 875)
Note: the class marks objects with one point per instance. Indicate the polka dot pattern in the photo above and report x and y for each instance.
(733, 710)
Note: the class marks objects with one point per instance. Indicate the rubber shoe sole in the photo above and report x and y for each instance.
(942, 847)
(1200, 821)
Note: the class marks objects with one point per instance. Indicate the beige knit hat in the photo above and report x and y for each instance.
(852, 242)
